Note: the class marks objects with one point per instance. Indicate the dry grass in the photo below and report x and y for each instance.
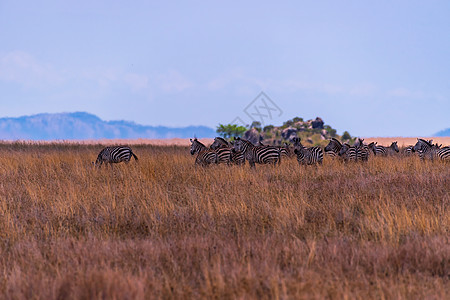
(162, 228)
(406, 141)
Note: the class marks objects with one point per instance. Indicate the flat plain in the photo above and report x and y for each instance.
(164, 228)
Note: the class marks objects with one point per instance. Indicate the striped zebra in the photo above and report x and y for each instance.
(383, 151)
(257, 154)
(409, 150)
(223, 150)
(205, 156)
(427, 150)
(115, 154)
(307, 156)
(333, 148)
(358, 152)
(285, 150)
(237, 157)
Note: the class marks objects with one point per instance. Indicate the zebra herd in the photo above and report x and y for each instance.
(241, 150)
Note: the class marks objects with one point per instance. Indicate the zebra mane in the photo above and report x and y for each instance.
(201, 144)
(244, 140)
(336, 140)
(222, 139)
(426, 142)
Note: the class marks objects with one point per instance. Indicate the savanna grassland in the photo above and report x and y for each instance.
(162, 228)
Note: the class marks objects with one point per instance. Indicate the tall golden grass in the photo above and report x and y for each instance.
(163, 228)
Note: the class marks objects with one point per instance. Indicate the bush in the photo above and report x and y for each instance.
(346, 136)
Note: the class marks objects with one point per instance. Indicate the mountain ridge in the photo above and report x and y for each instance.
(83, 125)
(445, 132)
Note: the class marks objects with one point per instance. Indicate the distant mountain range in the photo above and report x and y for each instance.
(82, 125)
(445, 132)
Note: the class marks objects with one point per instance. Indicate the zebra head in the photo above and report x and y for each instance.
(196, 146)
(238, 144)
(394, 146)
(372, 146)
(297, 145)
(422, 145)
(219, 143)
(333, 146)
(344, 149)
(359, 142)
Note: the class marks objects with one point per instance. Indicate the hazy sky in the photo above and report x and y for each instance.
(375, 68)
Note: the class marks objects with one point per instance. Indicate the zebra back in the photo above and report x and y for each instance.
(307, 156)
(219, 143)
(409, 150)
(355, 153)
(257, 154)
(115, 154)
(223, 155)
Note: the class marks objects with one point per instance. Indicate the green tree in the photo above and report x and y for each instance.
(230, 130)
(256, 125)
(346, 136)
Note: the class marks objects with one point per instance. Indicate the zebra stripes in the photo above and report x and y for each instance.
(427, 150)
(383, 151)
(307, 156)
(205, 156)
(241, 150)
(115, 154)
(333, 148)
(359, 152)
(408, 150)
(257, 154)
(285, 150)
(226, 152)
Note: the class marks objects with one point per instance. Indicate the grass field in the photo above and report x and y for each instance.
(162, 228)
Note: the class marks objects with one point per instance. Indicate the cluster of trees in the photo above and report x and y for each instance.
(229, 131)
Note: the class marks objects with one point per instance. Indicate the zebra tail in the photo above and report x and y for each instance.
(135, 157)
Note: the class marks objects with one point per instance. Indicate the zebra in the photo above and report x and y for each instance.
(427, 150)
(205, 156)
(257, 154)
(348, 153)
(223, 150)
(237, 157)
(333, 148)
(284, 150)
(307, 156)
(360, 152)
(383, 151)
(409, 150)
(114, 154)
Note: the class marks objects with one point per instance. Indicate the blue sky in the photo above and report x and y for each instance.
(378, 68)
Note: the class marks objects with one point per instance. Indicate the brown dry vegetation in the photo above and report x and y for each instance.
(162, 228)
